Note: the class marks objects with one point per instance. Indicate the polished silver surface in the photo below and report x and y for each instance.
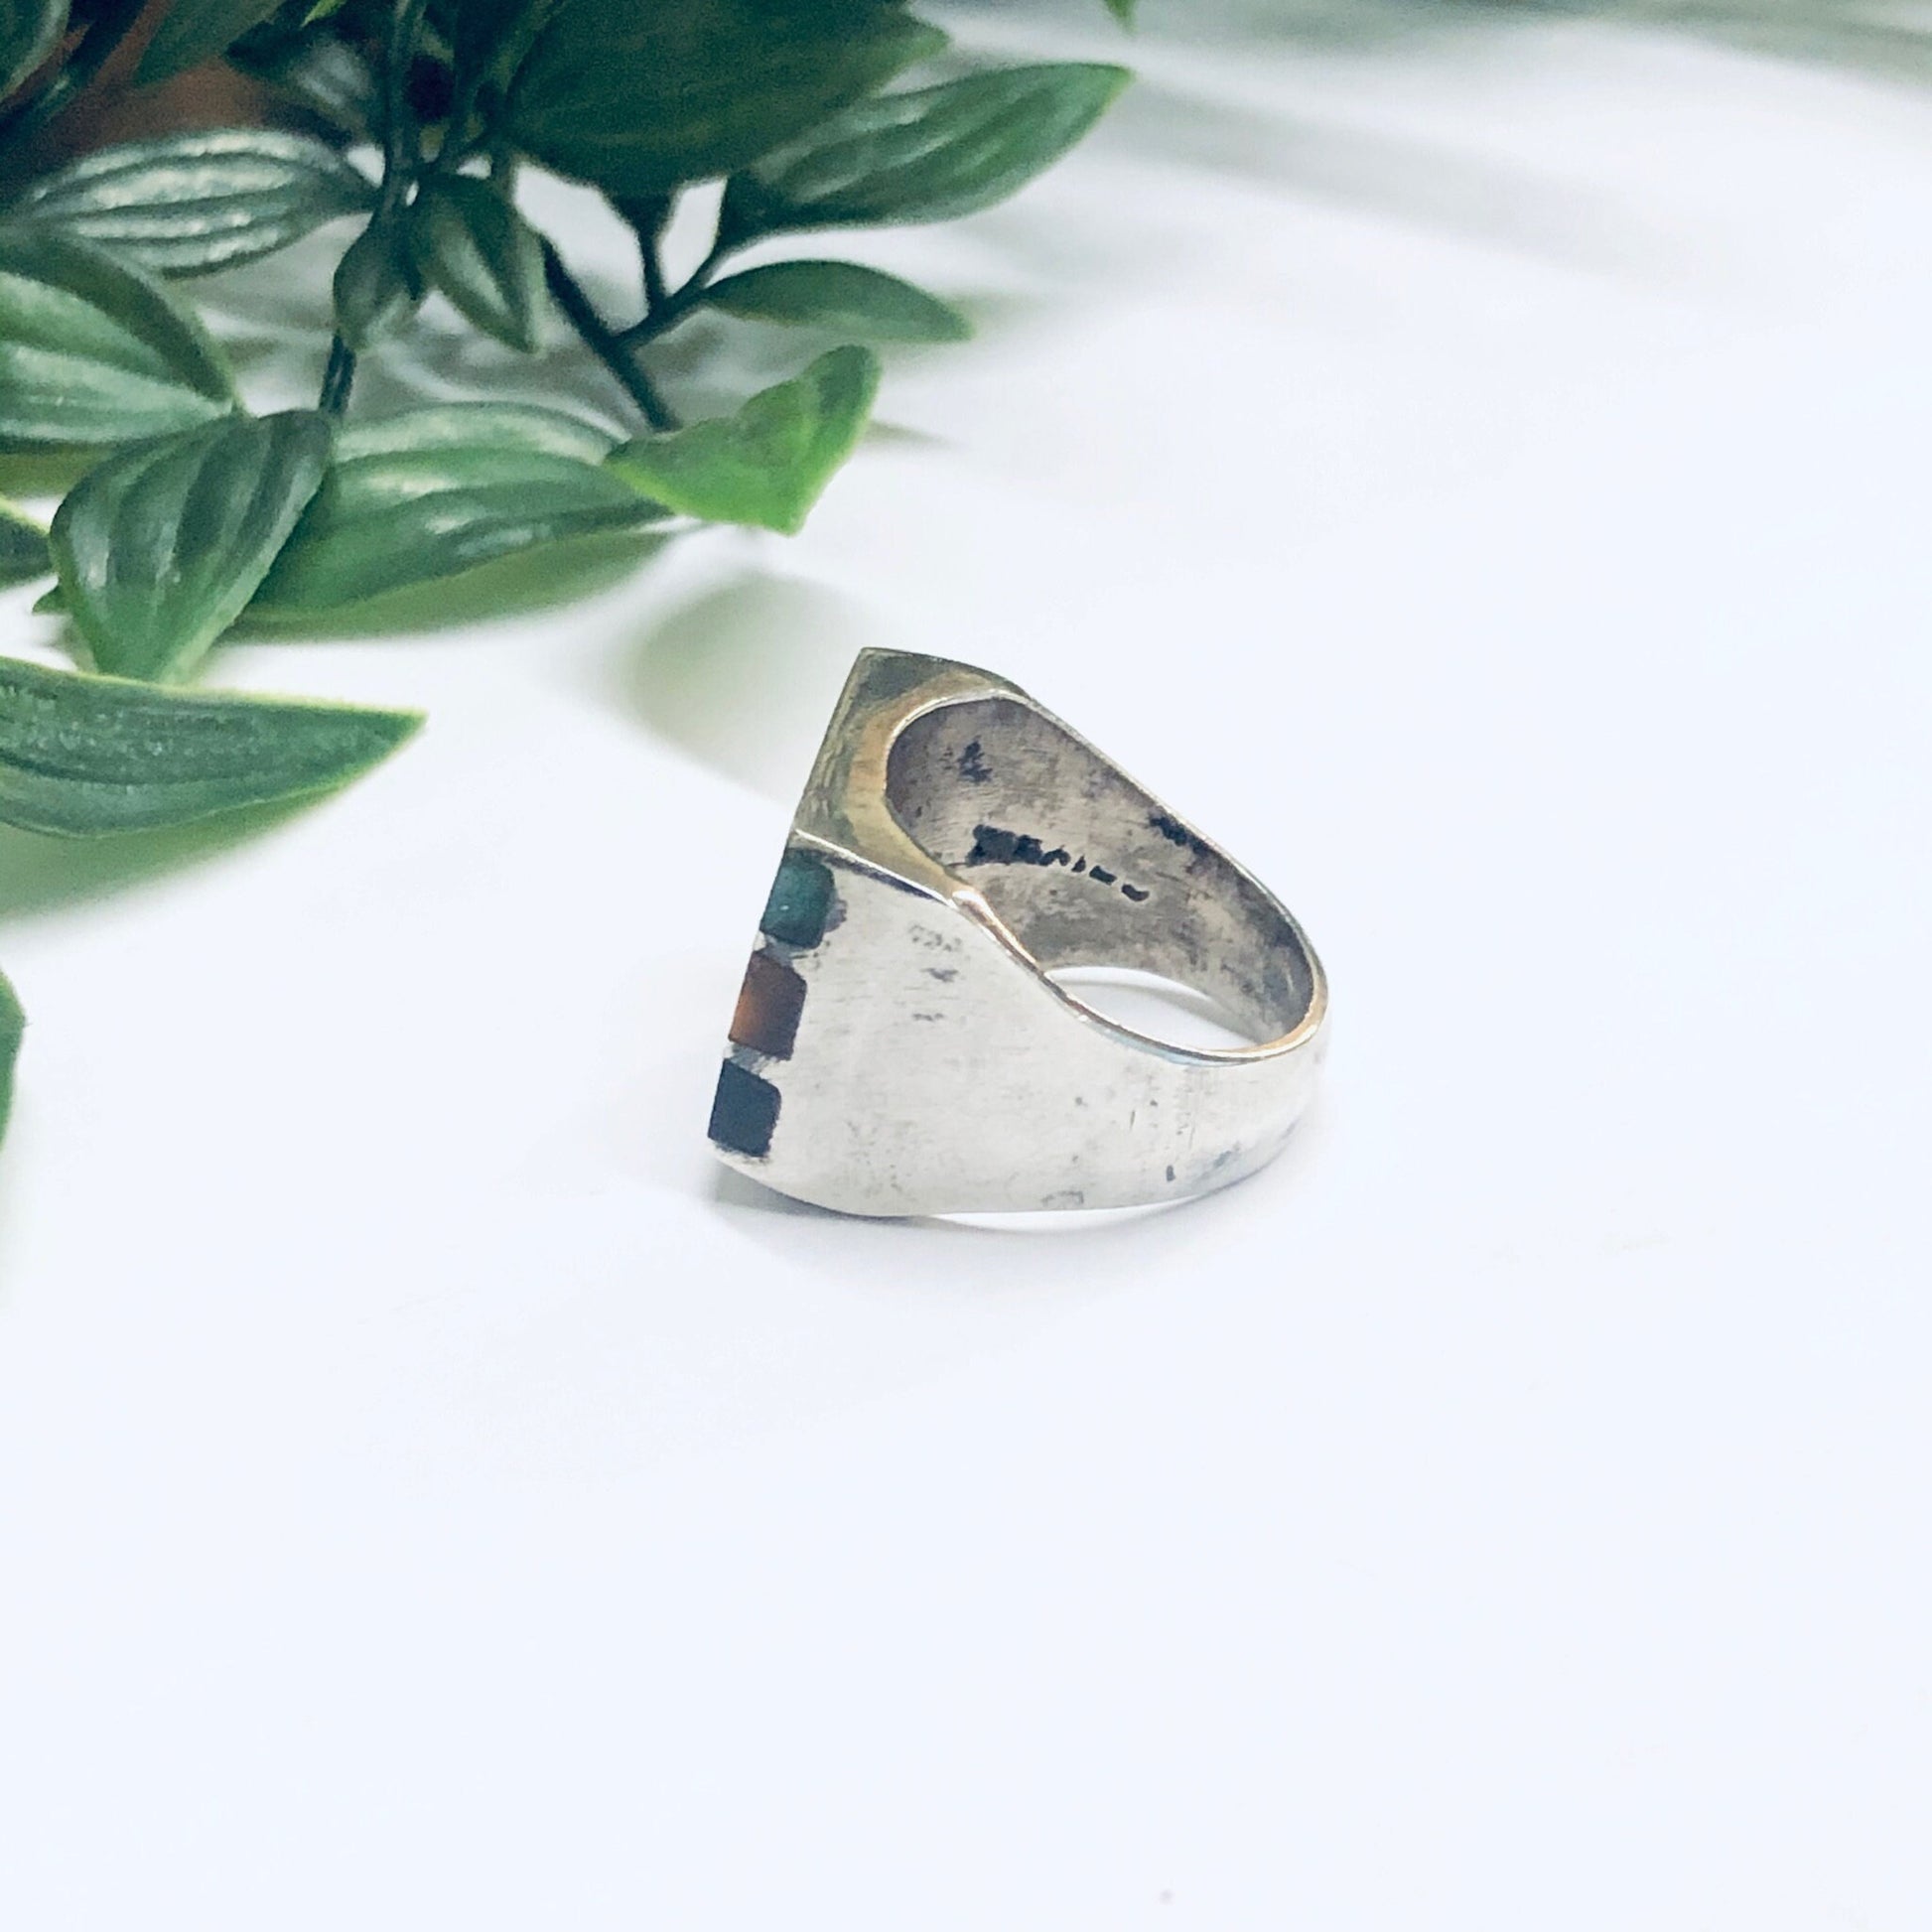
(900, 1047)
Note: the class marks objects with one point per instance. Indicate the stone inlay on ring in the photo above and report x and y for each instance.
(769, 1004)
(801, 907)
(744, 1111)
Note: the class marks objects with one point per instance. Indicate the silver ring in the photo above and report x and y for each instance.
(899, 1047)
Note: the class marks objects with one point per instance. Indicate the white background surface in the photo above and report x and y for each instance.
(1481, 480)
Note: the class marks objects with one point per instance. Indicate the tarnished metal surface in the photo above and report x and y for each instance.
(900, 1048)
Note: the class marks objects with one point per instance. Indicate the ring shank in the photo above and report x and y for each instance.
(901, 1045)
(1085, 868)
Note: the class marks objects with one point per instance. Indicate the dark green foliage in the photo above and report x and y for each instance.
(376, 288)
(29, 29)
(194, 31)
(489, 37)
(162, 546)
(436, 492)
(767, 465)
(82, 757)
(838, 296)
(23, 548)
(92, 352)
(324, 74)
(195, 513)
(189, 203)
(926, 155)
(643, 98)
(470, 242)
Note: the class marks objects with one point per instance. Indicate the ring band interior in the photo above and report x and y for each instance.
(1085, 867)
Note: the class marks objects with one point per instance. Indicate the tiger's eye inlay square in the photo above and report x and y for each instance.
(768, 1006)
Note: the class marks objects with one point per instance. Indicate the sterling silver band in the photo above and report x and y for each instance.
(898, 1046)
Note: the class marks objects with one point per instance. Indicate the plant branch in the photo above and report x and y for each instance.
(650, 253)
(665, 313)
(601, 340)
(337, 379)
(103, 38)
(459, 144)
(401, 138)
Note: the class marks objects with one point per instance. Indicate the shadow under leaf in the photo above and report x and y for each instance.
(545, 578)
(744, 677)
(41, 874)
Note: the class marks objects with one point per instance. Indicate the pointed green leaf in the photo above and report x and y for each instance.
(926, 155)
(161, 547)
(471, 243)
(92, 351)
(640, 98)
(1123, 11)
(488, 37)
(841, 296)
(13, 1024)
(767, 465)
(187, 204)
(23, 547)
(509, 429)
(194, 31)
(375, 288)
(436, 492)
(85, 755)
(29, 29)
(321, 71)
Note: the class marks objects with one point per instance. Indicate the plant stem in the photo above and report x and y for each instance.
(102, 39)
(601, 340)
(652, 258)
(402, 162)
(667, 310)
(401, 138)
(338, 378)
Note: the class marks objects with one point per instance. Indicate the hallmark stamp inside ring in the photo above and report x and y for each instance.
(900, 1044)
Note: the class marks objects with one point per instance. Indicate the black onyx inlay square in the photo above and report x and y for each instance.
(800, 905)
(745, 1111)
(769, 1005)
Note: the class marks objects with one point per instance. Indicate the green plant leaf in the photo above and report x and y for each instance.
(926, 155)
(436, 492)
(13, 1024)
(194, 31)
(23, 547)
(92, 351)
(319, 70)
(85, 755)
(511, 428)
(189, 203)
(840, 296)
(488, 36)
(161, 547)
(375, 288)
(471, 243)
(28, 31)
(770, 464)
(1123, 11)
(642, 98)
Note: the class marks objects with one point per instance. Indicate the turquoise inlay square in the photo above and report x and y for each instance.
(800, 905)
